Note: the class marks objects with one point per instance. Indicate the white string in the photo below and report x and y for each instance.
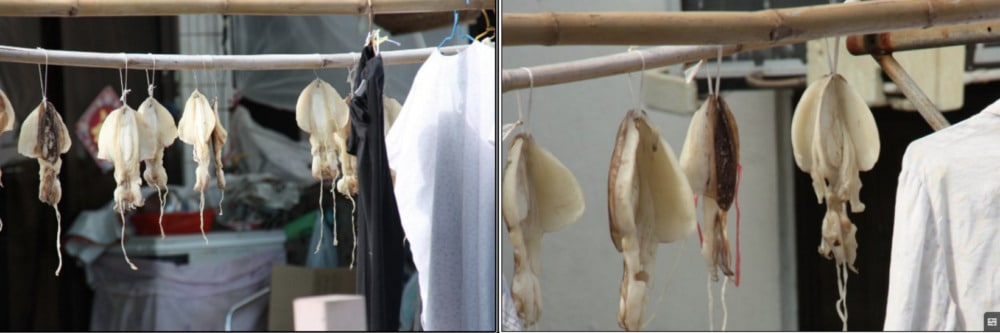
(121, 212)
(711, 324)
(642, 59)
(670, 276)
(842, 290)
(531, 94)
(836, 53)
(522, 116)
(829, 55)
(43, 82)
(725, 309)
(322, 217)
(718, 68)
(58, 235)
(151, 83)
(123, 79)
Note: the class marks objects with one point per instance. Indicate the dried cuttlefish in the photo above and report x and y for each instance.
(540, 195)
(219, 136)
(321, 112)
(710, 159)
(834, 137)
(159, 125)
(122, 141)
(6, 124)
(649, 202)
(44, 137)
(195, 128)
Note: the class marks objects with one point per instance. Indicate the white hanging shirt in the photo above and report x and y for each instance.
(945, 268)
(442, 149)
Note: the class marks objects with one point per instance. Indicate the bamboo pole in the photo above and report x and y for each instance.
(592, 68)
(210, 62)
(914, 39)
(82, 8)
(704, 28)
(924, 105)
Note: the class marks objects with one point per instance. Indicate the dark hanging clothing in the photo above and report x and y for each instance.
(380, 234)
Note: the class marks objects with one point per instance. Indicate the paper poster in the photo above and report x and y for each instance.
(89, 125)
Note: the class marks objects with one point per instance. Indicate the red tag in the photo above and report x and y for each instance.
(88, 127)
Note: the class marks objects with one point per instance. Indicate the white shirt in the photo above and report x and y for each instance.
(945, 268)
(442, 150)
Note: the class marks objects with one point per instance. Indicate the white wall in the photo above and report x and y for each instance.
(581, 271)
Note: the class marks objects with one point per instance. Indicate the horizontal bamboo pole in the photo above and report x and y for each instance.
(592, 68)
(210, 62)
(713, 28)
(914, 39)
(82, 8)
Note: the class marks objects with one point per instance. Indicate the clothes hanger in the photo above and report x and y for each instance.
(454, 29)
(489, 28)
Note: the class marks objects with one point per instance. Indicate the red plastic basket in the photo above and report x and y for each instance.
(173, 223)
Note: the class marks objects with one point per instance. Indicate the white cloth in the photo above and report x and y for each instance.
(441, 148)
(265, 151)
(163, 296)
(945, 267)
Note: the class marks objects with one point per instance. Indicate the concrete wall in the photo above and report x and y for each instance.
(582, 271)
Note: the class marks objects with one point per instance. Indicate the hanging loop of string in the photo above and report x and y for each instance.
(718, 70)
(522, 117)
(151, 83)
(43, 81)
(319, 64)
(123, 78)
(637, 97)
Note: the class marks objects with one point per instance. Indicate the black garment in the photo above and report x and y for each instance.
(380, 234)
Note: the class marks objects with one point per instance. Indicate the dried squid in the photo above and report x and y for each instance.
(6, 124)
(160, 126)
(321, 112)
(834, 137)
(195, 128)
(219, 136)
(44, 137)
(649, 202)
(540, 195)
(122, 141)
(710, 159)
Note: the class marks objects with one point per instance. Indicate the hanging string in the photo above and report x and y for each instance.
(829, 55)
(718, 69)
(123, 79)
(43, 82)
(638, 97)
(725, 308)
(670, 276)
(522, 117)
(319, 65)
(841, 304)
(151, 83)
(711, 324)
